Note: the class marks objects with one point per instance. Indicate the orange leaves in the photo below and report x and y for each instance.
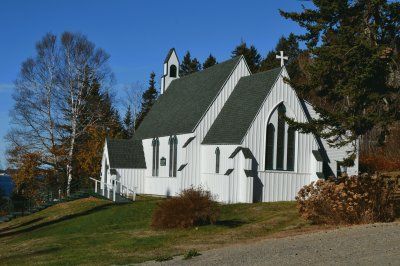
(349, 200)
(27, 174)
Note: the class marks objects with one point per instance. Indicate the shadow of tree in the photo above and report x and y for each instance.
(64, 218)
(21, 224)
(232, 223)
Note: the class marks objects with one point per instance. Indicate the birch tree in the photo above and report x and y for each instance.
(51, 95)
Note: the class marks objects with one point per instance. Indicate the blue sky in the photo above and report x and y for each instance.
(137, 34)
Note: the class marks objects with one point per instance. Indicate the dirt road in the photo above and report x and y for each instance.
(377, 244)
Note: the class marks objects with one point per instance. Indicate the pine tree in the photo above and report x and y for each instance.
(290, 47)
(189, 65)
(128, 123)
(253, 58)
(149, 97)
(354, 47)
(210, 61)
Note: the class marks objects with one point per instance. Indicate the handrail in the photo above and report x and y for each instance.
(126, 188)
(95, 183)
(114, 188)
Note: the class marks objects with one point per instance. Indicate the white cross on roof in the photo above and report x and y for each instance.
(282, 58)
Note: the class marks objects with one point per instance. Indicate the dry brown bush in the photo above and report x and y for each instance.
(192, 207)
(348, 200)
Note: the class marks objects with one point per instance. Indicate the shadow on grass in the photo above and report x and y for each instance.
(20, 225)
(42, 251)
(231, 223)
(61, 219)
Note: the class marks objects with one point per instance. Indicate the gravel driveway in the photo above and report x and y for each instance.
(377, 244)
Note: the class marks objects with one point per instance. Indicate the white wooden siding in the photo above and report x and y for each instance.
(255, 137)
(334, 154)
(132, 178)
(194, 169)
(282, 186)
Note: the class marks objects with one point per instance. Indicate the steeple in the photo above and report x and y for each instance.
(171, 70)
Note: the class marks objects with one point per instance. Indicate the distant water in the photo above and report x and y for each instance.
(6, 184)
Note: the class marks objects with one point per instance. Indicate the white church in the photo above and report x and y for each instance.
(220, 128)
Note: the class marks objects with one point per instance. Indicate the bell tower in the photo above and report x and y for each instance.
(171, 70)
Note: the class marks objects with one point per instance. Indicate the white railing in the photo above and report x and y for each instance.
(95, 183)
(123, 190)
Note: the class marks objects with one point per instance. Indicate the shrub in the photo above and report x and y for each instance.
(348, 200)
(375, 163)
(192, 207)
(190, 254)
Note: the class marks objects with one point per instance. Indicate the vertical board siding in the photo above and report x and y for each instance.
(255, 137)
(193, 173)
(334, 154)
(132, 178)
(219, 185)
(164, 186)
(281, 186)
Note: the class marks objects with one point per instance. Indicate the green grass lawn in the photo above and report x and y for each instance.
(97, 232)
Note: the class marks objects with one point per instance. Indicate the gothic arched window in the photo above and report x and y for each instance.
(172, 71)
(269, 147)
(217, 160)
(173, 154)
(291, 144)
(280, 143)
(156, 155)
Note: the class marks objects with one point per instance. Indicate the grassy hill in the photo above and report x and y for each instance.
(97, 232)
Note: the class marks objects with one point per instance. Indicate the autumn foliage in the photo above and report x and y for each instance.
(349, 200)
(26, 176)
(193, 206)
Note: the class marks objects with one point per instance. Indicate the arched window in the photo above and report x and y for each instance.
(269, 147)
(217, 160)
(175, 155)
(171, 154)
(291, 144)
(156, 154)
(172, 71)
(173, 150)
(280, 143)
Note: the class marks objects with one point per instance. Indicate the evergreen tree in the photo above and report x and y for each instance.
(189, 65)
(128, 123)
(149, 97)
(289, 46)
(354, 47)
(210, 61)
(253, 58)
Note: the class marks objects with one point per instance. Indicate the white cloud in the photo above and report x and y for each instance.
(6, 87)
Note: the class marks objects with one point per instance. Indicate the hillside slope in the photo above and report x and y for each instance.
(97, 232)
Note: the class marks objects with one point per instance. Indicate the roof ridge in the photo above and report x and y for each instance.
(208, 68)
(264, 72)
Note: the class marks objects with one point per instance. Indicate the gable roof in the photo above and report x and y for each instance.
(124, 153)
(184, 103)
(169, 55)
(246, 153)
(242, 106)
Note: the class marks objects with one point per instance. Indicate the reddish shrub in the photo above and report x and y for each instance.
(193, 206)
(349, 200)
(375, 163)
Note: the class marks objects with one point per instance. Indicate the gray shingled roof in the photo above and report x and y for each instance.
(246, 152)
(241, 108)
(184, 103)
(125, 153)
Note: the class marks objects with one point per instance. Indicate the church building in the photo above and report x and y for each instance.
(220, 128)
